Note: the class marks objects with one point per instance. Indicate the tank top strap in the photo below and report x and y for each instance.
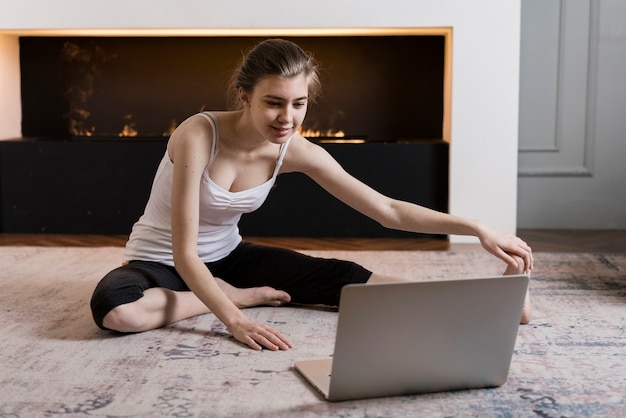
(281, 156)
(215, 143)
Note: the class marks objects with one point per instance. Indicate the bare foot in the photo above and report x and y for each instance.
(254, 296)
(527, 309)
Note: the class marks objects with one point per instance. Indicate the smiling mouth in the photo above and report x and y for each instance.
(281, 131)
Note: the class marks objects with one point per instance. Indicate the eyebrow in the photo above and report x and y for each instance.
(271, 96)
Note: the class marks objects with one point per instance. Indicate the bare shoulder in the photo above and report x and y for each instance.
(193, 136)
(305, 156)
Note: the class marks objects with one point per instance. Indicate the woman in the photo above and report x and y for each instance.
(185, 256)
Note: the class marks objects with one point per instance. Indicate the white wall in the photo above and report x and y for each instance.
(573, 114)
(485, 85)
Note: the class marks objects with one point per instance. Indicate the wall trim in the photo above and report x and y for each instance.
(569, 142)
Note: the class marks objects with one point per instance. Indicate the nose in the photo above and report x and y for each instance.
(285, 114)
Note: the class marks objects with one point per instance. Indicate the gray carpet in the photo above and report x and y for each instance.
(570, 361)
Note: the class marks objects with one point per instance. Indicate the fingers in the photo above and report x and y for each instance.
(259, 336)
(516, 253)
(272, 339)
(523, 250)
(529, 261)
(507, 258)
(526, 253)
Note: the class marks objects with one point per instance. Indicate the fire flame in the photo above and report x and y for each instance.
(129, 129)
(330, 133)
(170, 130)
(330, 136)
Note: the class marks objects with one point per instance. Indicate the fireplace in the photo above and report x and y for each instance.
(88, 100)
(379, 88)
(480, 123)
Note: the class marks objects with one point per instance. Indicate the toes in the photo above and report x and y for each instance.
(273, 297)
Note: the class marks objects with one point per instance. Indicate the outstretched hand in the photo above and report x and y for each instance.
(259, 336)
(504, 245)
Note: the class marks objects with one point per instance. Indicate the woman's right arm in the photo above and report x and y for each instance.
(189, 149)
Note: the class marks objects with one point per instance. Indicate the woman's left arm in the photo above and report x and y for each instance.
(320, 166)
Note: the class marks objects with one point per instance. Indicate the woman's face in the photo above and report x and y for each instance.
(278, 106)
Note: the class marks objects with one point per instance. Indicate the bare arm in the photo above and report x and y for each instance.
(395, 214)
(189, 148)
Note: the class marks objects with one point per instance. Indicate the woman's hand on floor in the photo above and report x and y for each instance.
(259, 336)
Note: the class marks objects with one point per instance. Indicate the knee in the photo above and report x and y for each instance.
(123, 318)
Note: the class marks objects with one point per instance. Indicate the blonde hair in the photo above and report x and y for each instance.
(277, 57)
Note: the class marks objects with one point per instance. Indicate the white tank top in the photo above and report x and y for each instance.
(220, 211)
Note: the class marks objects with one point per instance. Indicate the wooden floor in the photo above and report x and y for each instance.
(610, 241)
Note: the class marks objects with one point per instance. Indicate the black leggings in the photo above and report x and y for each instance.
(308, 280)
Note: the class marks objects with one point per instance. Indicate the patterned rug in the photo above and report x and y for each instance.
(570, 361)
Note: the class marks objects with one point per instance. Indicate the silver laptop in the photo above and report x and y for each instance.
(417, 337)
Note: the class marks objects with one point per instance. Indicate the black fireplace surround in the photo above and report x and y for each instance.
(96, 113)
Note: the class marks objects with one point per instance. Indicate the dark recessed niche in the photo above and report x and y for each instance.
(383, 88)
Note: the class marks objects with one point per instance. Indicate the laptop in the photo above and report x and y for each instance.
(418, 337)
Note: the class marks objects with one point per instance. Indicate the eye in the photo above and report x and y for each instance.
(273, 103)
(299, 104)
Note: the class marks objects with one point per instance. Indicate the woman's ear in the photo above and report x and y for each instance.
(244, 98)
